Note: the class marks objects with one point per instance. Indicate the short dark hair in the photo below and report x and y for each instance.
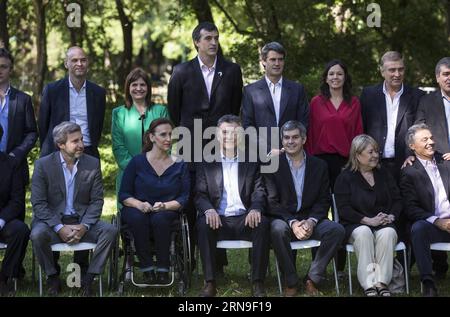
(207, 26)
(294, 125)
(442, 62)
(134, 75)
(272, 46)
(229, 118)
(6, 54)
(346, 90)
(1, 131)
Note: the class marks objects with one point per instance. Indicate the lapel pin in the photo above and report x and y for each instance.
(219, 73)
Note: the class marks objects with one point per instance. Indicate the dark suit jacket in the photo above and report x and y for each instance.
(48, 190)
(55, 108)
(188, 98)
(282, 198)
(355, 197)
(22, 130)
(374, 115)
(417, 189)
(209, 186)
(258, 109)
(12, 203)
(431, 111)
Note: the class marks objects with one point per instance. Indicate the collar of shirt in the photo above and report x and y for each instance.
(397, 94)
(203, 66)
(3, 101)
(446, 99)
(228, 160)
(291, 163)
(425, 163)
(270, 84)
(72, 86)
(63, 161)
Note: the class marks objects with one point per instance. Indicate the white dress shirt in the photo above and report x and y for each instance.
(78, 110)
(231, 203)
(392, 112)
(275, 93)
(208, 74)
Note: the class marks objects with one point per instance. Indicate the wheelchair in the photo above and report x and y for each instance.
(180, 258)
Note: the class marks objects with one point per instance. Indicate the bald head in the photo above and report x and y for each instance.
(76, 62)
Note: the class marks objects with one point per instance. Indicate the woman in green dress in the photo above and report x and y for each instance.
(130, 121)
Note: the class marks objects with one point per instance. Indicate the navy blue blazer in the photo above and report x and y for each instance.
(55, 108)
(258, 109)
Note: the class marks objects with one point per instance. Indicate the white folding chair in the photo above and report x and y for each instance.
(437, 246)
(3, 246)
(349, 248)
(64, 247)
(300, 245)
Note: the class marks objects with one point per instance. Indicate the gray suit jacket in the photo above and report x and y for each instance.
(48, 190)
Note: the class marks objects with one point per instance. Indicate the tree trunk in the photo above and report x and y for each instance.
(127, 56)
(202, 10)
(447, 10)
(41, 44)
(4, 35)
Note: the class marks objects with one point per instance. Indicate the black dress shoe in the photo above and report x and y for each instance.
(258, 289)
(53, 285)
(429, 289)
(209, 290)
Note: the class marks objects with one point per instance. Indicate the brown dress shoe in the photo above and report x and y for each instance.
(311, 289)
(290, 291)
(209, 290)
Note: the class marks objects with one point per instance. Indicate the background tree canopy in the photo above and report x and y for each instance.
(121, 34)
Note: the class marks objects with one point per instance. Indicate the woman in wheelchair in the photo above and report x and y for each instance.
(155, 187)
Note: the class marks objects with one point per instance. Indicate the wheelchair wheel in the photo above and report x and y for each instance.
(186, 278)
(114, 257)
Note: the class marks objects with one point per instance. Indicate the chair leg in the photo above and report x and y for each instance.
(40, 281)
(100, 286)
(406, 271)
(278, 276)
(349, 274)
(15, 284)
(335, 277)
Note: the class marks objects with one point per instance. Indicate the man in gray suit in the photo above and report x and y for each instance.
(273, 100)
(67, 199)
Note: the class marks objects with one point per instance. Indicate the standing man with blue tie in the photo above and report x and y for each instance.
(273, 100)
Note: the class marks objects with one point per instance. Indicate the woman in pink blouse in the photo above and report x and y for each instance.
(334, 119)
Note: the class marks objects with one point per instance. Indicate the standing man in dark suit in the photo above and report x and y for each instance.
(206, 88)
(388, 110)
(67, 199)
(273, 100)
(17, 119)
(13, 231)
(73, 99)
(425, 187)
(231, 202)
(298, 195)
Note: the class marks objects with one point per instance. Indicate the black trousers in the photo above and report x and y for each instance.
(233, 228)
(16, 235)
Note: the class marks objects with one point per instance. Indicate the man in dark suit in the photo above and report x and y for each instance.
(73, 99)
(273, 100)
(13, 231)
(425, 187)
(230, 199)
(205, 88)
(17, 119)
(298, 195)
(388, 110)
(434, 111)
(67, 199)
